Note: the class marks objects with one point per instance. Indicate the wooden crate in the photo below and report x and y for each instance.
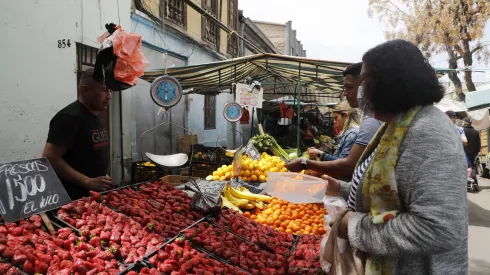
(185, 143)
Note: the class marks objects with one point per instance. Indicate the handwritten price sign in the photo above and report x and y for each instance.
(29, 187)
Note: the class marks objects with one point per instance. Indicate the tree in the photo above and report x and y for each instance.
(451, 26)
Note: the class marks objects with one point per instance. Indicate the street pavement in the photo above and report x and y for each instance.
(479, 230)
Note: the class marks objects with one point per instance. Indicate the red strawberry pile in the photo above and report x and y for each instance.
(167, 217)
(235, 250)
(26, 245)
(179, 258)
(278, 242)
(104, 228)
(9, 269)
(306, 256)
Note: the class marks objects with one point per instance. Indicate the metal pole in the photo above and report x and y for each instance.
(252, 125)
(299, 109)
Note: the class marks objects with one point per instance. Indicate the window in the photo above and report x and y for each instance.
(210, 31)
(209, 112)
(174, 11)
(232, 23)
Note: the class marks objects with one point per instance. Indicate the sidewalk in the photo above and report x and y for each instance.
(479, 229)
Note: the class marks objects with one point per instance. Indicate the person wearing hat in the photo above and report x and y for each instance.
(452, 116)
(472, 149)
(346, 123)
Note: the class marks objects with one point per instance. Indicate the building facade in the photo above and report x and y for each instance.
(174, 35)
(283, 37)
(49, 44)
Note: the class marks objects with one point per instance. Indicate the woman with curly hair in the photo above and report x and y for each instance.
(408, 194)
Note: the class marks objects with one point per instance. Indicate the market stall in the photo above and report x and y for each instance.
(152, 228)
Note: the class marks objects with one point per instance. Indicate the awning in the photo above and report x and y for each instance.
(480, 116)
(278, 74)
(478, 100)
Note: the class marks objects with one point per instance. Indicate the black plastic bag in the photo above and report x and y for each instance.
(203, 202)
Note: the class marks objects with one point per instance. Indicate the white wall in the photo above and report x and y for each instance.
(37, 78)
(195, 55)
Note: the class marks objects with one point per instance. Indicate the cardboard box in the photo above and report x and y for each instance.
(175, 180)
(185, 143)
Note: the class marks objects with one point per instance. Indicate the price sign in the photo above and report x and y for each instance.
(251, 151)
(29, 187)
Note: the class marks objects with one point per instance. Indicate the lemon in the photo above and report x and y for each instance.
(253, 178)
(244, 178)
(227, 175)
(284, 169)
(223, 178)
(209, 178)
(261, 178)
(258, 173)
(215, 178)
(246, 173)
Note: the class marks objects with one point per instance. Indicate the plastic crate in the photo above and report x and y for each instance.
(141, 173)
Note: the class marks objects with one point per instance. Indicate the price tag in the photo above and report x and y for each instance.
(252, 152)
(29, 187)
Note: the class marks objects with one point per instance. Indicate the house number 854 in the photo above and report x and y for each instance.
(64, 43)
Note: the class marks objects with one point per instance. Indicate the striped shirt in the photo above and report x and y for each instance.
(356, 179)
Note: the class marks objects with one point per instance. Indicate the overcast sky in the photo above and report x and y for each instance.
(337, 30)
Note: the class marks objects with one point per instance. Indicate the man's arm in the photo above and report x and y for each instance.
(340, 168)
(54, 154)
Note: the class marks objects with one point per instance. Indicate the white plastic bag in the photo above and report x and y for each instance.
(335, 206)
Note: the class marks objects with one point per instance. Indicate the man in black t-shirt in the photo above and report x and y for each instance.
(78, 142)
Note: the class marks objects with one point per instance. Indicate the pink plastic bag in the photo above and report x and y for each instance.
(131, 63)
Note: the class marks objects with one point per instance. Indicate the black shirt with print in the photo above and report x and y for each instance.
(86, 141)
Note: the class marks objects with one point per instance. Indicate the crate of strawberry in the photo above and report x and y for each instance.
(26, 245)
(166, 219)
(102, 227)
(179, 257)
(306, 256)
(280, 243)
(235, 250)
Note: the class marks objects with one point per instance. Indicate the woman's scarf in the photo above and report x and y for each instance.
(379, 189)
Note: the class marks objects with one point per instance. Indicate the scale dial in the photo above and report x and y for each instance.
(166, 91)
(232, 112)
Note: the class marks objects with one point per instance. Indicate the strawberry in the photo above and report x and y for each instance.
(28, 267)
(13, 271)
(95, 196)
(40, 267)
(4, 268)
(19, 259)
(81, 269)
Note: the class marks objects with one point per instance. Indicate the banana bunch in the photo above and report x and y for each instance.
(242, 198)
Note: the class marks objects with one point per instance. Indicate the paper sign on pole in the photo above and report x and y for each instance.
(251, 99)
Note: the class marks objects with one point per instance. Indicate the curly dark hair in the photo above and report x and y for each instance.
(398, 77)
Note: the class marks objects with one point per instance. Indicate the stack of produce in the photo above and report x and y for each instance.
(251, 170)
(306, 256)
(235, 250)
(292, 218)
(242, 198)
(279, 243)
(146, 164)
(102, 227)
(181, 258)
(267, 144)
(25, 245)
(167, 215)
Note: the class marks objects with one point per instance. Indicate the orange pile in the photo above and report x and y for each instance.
(291, 218)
